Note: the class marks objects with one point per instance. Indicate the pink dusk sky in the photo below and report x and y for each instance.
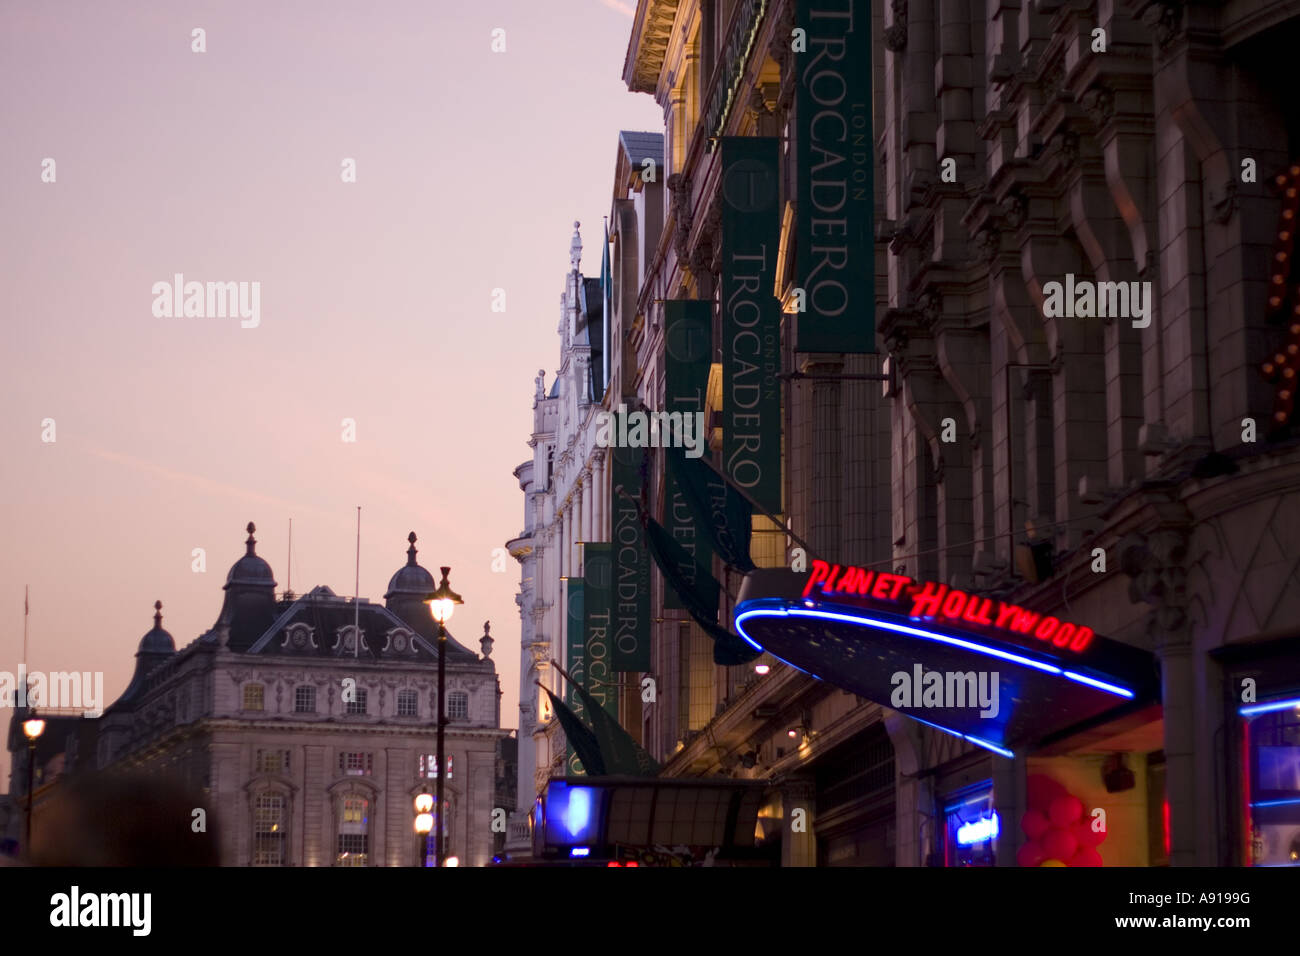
(173, 433)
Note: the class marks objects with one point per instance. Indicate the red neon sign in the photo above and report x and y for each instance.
(933, 601)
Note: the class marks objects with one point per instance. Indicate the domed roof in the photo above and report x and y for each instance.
(157, 641)
(411, 580)
(250, 569)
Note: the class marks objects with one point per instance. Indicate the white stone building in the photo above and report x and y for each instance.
(310, 748)
(566, 493)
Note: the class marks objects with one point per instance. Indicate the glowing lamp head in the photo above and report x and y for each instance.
(423, 823)
(33, 728)
(424, 803)
(443, 601)
(762, 669)
(452, 861)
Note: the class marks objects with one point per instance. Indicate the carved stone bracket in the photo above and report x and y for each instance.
(1099, 101)
(1157, 564)
(896, 33)
(1165, 19)
(1224, 204)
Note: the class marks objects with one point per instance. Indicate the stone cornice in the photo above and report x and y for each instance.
(648, 44)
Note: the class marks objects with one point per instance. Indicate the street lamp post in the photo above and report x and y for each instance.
(442, 603)
(423, 824)
(33, 727)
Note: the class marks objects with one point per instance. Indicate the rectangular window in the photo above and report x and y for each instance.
(254, 696)
(358, 705)
(354, 833)
(407, 704)
(1271, 785)
(268, 830)
(304, 700)
(429, 766)
(272, 761)
(457, 705)
(356, 763)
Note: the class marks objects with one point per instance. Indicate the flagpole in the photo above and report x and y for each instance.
(356, 600)
(27, 680)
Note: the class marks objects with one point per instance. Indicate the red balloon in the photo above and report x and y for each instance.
(1085, 856)
(1034, 823)
(1031, 854)
(1041, 791)
(1059, 844)
(1064, 811)
(1086, 835)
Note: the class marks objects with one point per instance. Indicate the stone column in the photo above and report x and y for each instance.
(599, 531)
(799, 838)
(1157, 563)
(588, 506)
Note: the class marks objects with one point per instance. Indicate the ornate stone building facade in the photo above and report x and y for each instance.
(1138, 456)
(1137, 471)
(566, 501)
(311, 738)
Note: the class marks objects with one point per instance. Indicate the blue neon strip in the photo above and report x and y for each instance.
(930, 635)
(900, 628)
(1277, 803)
(977, 741)
(1271, 706)
(1100, 684)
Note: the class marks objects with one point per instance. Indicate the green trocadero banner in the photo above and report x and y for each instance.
(751, 318)
(834, 235)
(630, 624)
(688, 334)
(598, 676)
(576, 664)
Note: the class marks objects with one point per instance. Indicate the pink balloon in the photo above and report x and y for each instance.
(1031, 854)
(1059, 844)
(1041, 791)
(1064, 811)
(1086, 835)
(1086, 856)
(1034, 823)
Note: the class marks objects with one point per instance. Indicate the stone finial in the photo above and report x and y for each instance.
(410, 552)
(486, 640)
(157, 614)
(251, 540)
(575, 246)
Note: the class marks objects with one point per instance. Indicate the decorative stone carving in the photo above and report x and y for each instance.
(1224, 204)
(896, 33)
(1157, 564)
(679, 191)
(989, 242)
(1015, 207)
(1165, 19)
(1099, 101)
